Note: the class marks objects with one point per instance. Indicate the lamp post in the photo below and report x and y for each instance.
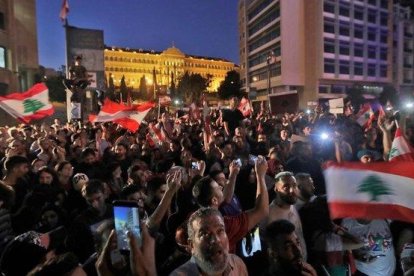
(271, 58)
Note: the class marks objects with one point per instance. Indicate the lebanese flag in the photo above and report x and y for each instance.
(30, 105)
(155, 136)
(245, 107)
(64, 10)
(401, 150)
(129, 117)
(164, 100)
(383, 190)
(365, 116)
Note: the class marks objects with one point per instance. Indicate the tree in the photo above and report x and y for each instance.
(57, 91)
(143, 92)
(374, 186)
(110, 92)
(191, 86)
(230, 86)
(123, 89)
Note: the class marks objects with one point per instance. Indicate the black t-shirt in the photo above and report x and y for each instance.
(233, 118)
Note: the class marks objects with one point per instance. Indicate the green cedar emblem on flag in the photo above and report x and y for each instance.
(32, 105)
(393, 152)
(374, 186)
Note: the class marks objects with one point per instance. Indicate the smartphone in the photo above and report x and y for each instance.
(194, 165)
(238, 162)
(252, 158)
(126, 217)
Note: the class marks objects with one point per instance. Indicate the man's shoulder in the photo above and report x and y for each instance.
(188, 268)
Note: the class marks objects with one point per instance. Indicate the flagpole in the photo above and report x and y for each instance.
(159, 107)
(68, 91)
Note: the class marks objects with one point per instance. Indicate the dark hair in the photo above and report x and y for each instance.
(59, 265)
(129, 190)
(94, 186)
(202, 191)
(59, 166)
(277, 228)
(302, 176)
(155, 183)
(201, 214)
(86, 152)
(14, 161)
(214, 173)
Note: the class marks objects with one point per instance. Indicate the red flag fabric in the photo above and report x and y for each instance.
(401, 150)
(155, 136)
(365, 116)
(31, 105)
(64, 10)
(245, 107)
(381, 190)
(128, 117)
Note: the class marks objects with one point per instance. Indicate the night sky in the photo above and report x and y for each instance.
(197, 27)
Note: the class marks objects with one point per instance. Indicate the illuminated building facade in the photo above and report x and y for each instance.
(18, 45)
(166, 66)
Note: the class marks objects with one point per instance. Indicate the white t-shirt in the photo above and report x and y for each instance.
(377, 240)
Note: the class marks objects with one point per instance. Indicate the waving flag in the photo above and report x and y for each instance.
(365, 116)
(155, 135)
(401, 150)
(129, 117)
(30, 105)
(245, 107)
(64, 10)
(371, 191)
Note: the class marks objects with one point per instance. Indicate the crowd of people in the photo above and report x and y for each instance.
(246, 197)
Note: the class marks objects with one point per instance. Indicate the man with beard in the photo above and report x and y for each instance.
(209, 246)
(306, 189)
(285, 251)
(282, 207)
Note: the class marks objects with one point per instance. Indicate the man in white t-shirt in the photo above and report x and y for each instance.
(282, 207)
(377, 257)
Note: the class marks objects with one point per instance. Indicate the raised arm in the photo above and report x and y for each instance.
(261, 208)
(228, 190)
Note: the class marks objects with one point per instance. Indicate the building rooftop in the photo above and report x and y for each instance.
(169, 51)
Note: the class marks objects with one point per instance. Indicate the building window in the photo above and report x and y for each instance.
(383, 37)
(372, 2)
(2, 57)
(329, 26)
(323, 89)
(372, 16)
(2, 22)
(358, 68)
(384, 4)
(372, 52)
(329, 65)
(329, 46)
(358, 13)
(344, 48)
(371, 70)
(328, 7)
(358, 31)
(358, 50)
(344, 9)
(384, 19)
(344, 67)
(383, 71)
(372, 34)
(344, 28)
(383, 54)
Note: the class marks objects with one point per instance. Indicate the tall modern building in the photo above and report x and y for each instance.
(18, 45)
(162, 67)
(403, 54)
(318, 48)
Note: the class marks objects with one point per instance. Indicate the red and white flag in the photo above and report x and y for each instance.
(401, 150)
(383, 190)
(64, 10)
(245, 107)
(31, 105)
(155, 135)
(164, 100)
(365, 116)
(129, 117)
